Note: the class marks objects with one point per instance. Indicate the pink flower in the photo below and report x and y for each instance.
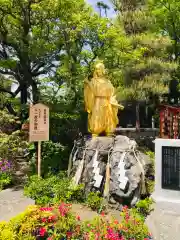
(97, 236)
(42, 232)
(125, 208)
(48, 209)
(50, 238)
(64, 209)
(78, 218)
(88, 224)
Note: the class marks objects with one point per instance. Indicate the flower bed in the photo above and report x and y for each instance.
(59, 223)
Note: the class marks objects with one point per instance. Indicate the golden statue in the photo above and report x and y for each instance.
(101, 103)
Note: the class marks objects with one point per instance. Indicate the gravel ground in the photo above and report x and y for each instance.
(12, 202)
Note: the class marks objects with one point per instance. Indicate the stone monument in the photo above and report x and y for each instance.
(167, 173)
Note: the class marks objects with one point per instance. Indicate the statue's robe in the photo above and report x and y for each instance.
(101, 105)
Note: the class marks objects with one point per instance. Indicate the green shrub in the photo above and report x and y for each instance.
(41, 190)
(21, 226)
(95, 201)
(133, 225)
(5, 179)
(8, 122)
(54, 157)
(58, 222)
(12, 145)
(144, 207)
(53, 189)
(65, 191)
(6, 233)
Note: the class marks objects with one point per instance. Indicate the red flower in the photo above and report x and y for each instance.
(69, 234)
(116, 222)
(78, 218)
(103, 214)
(52, 218)
(44, 220)
(42, 232)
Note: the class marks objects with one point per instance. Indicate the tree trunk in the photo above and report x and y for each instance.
(35, 92)
(24, 94)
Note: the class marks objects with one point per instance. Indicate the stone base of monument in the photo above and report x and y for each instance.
(111, 165)
(167, 175)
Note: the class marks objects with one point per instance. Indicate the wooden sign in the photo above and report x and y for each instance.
(39, 123)
(39, 127)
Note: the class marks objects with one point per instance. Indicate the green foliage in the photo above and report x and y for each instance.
(134, 226)
(149, 70)
(144, 207)
(12, 145)
(6, 232)
(8, 123)
(151, 173)
(53, 156)
(5, 179)
(5, 173)
(167, 18)
(12, 141)
(53, 189)
(94, 201)
(58, 222)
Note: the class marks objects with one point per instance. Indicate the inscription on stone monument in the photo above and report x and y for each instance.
(171, 168)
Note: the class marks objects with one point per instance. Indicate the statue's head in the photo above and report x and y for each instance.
(99, 70)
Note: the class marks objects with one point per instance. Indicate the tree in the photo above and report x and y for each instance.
(151, 68)
(167, 22)
(33, 36)
(60, 39)
(101, 5)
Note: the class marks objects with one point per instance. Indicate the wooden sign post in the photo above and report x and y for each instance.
(39, 127)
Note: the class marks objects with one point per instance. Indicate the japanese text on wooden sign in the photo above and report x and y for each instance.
(39, 123)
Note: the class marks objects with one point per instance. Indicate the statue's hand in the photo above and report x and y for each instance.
(117, 105)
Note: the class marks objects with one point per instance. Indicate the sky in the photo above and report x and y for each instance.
(111, 12)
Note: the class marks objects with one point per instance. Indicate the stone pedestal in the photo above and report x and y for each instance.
(167, 174)
(112, 162)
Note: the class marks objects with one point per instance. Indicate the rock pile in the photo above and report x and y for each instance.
(112, 166)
